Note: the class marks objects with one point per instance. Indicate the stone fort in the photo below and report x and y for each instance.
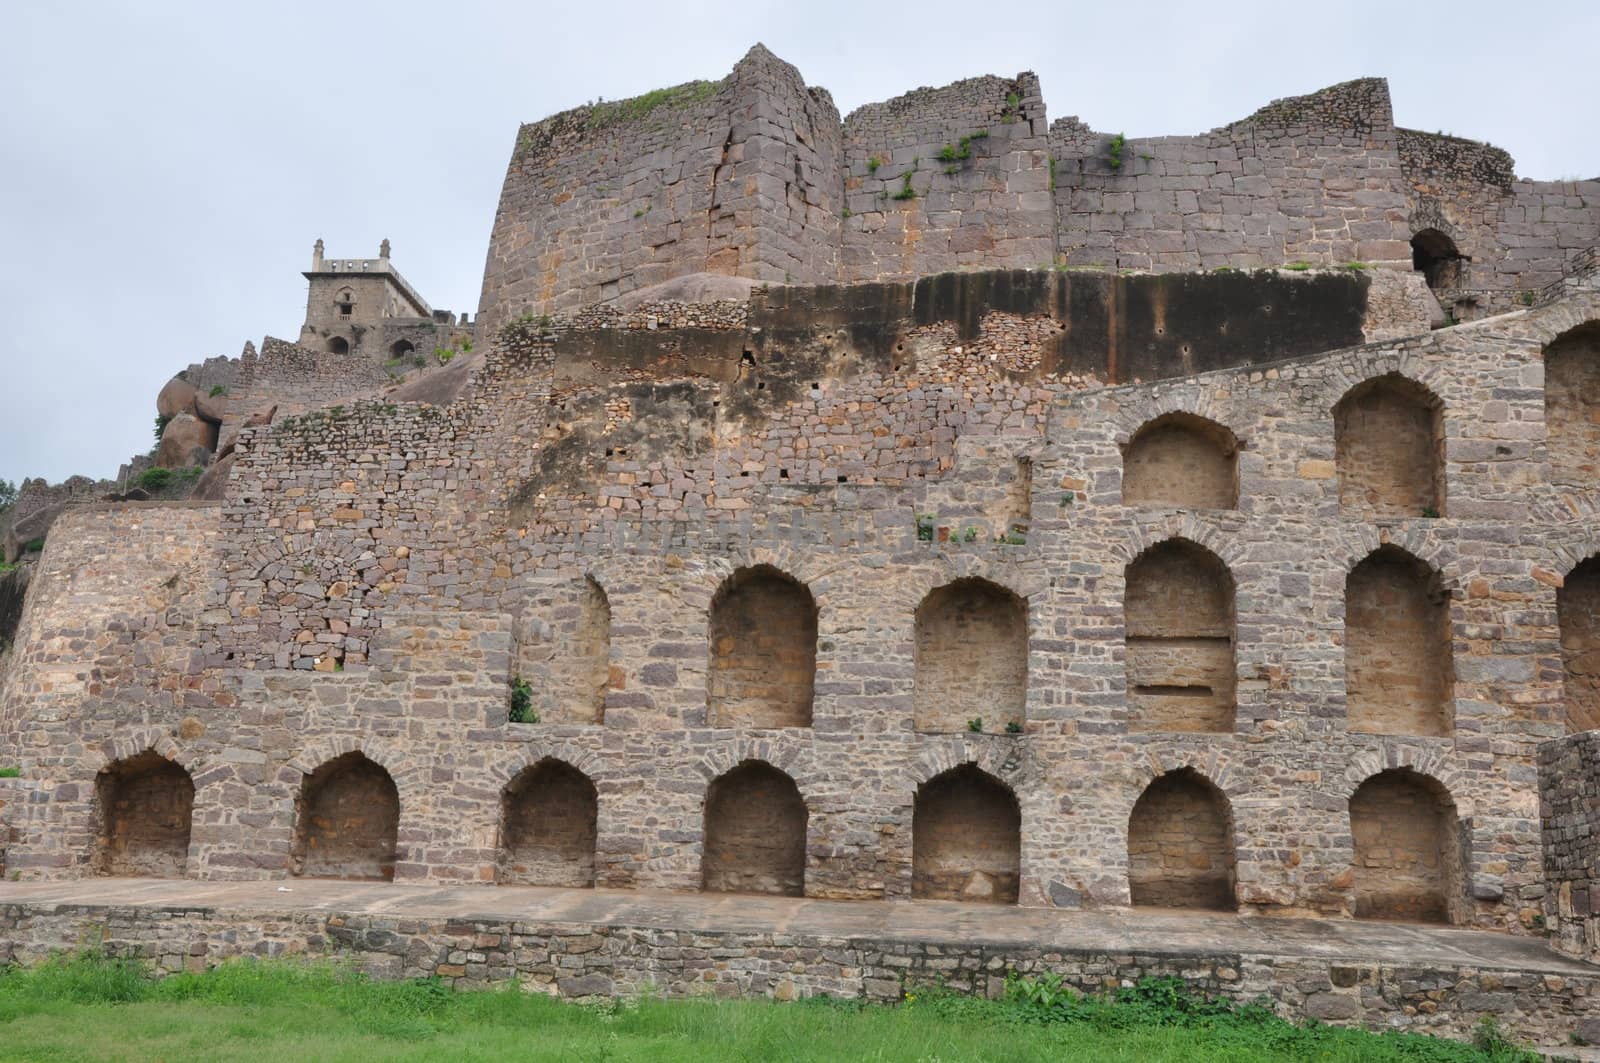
(956, 528)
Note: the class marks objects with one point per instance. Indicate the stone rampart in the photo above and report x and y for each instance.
(577, 489)
(296, 379)
(949, 178)
(1311, 178)
(755, 177)
(737, 177)
(39, 504)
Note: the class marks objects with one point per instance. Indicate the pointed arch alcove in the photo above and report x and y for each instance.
(1409, 855)
(1183, 460)
(1398, 655)
(1178, 613)
(347, 821)
(1180, 845)
(548, 824)
(1389, 449)
(971, 657)
(763, 652)
(145, 805)
(1572, 406)
(966, 838)
(755, 832)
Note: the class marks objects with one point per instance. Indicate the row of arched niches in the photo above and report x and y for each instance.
(1178, 607)
(971, 645)
(966, 834)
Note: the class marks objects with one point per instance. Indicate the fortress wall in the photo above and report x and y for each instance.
(1311, 178)
(738, 177)
(777, 199)
(597, 203)
(382, 480)
(1569, 810)
(890, 382)
(991, 209)
(294, 379)
(1544, 231)
(754, 176)
(328, 516)
(1520, 235)
(108, 641)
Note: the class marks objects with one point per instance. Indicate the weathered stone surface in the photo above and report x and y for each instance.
(184, 435)
(177, 396)
(577, 944)
(1234, 589)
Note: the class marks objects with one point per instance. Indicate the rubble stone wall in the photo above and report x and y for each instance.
(756, 177)
(1569, 810)
(602, 960)
(432, 537)
(949, 178)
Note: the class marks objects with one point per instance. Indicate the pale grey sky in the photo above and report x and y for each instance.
(168, 165)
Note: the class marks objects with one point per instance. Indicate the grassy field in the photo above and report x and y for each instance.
(88, 1008)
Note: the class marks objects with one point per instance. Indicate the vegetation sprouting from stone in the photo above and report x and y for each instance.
(955, 153)
(906, 191)
(87, 1005)
(1118, 142)
(608, 113)
(522, 702)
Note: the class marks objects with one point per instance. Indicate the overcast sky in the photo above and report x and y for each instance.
(167, 166)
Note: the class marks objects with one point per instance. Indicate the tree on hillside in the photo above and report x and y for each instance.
(8, 495)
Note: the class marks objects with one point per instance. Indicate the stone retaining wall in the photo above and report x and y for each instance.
(580, 961)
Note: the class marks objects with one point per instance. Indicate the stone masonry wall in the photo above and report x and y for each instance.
(127, 639)
(1569, 813)
(755, 177)
(1311, 178)
(738, 177)
(621, 960)
(950, 178)
(294, 379)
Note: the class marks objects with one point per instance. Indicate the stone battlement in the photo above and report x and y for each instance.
(757, 177)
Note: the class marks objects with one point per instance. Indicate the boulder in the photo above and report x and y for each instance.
(209, 407)
(35, 525)
(440, 386)
(183, 434)
(213, 483)
(255, 420)
(176, 397)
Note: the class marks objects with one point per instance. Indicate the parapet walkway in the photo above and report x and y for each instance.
(1142, 932)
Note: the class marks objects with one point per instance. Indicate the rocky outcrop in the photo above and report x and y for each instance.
(187, 440)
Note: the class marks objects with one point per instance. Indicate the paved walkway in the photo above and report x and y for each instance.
(1144, 931)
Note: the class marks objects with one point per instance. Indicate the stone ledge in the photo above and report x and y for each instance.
(580, 943)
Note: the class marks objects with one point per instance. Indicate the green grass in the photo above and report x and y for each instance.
(602, 115)
(85, 1007)
(10, 773)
